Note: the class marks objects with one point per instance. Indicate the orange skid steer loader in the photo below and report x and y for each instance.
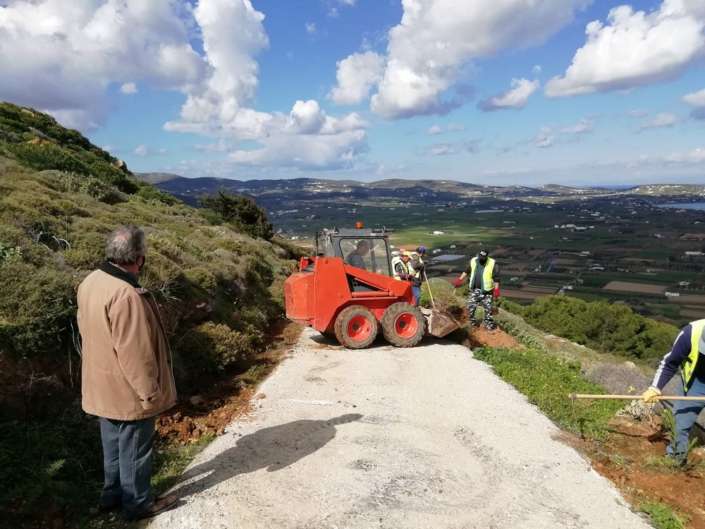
(353, 302)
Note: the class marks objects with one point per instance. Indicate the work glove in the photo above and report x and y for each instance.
(457, 282)
(649, 396)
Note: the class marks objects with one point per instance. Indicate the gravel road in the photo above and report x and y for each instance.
(392, 439)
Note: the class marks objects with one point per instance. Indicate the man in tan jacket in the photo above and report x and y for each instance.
(127, 377)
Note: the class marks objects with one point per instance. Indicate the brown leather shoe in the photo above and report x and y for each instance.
(160, 505)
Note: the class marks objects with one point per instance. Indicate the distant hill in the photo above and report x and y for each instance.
(285, 193)
(156, 178)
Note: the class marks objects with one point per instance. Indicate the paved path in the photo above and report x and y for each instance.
(389, 438)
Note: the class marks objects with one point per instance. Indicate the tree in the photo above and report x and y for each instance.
(241, 212)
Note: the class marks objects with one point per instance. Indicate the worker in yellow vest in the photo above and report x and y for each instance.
(417, 268)
(401, 270)
(483, 287)
(686, 356)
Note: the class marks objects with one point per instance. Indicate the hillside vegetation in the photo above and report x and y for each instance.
(219, 280)
(607, 327)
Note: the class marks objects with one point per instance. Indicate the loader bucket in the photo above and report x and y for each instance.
(440, 324)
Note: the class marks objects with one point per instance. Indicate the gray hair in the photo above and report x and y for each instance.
(125, 245)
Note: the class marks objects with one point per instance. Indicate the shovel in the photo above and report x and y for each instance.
(440, 324)
(578, 396)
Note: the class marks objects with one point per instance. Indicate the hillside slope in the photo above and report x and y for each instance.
(219, 288)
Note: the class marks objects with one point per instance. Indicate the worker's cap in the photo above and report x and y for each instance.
(483, 253)
(421, 250)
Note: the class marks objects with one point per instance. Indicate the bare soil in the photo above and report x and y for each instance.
(481, 337)
(210, 412)
(627, 459)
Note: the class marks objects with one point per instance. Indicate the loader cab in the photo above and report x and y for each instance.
(364, 248)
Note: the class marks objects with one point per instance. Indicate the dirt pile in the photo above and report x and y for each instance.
(498, 339)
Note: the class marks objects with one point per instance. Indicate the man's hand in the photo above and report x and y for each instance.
(649, 396)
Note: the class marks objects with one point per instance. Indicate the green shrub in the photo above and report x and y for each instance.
(241, 212)
(547, 381)
(212, 347)
(55, 463)
(609, 327)
(36, 309)
(662, 516)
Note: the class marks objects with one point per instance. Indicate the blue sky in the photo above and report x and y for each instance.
(511, 92)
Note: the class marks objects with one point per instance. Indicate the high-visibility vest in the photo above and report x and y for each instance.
(487, 282)
(688, 367)
(413, 271)
(397, 260)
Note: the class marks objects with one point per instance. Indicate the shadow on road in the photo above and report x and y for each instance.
(272, 448)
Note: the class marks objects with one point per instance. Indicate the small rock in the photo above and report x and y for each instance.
(197, 400)
(630, 365)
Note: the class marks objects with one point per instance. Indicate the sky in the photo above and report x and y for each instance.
(522, 92)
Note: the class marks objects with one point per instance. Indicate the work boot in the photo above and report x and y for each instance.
(474, 323)
(160, 505)
(490, 326)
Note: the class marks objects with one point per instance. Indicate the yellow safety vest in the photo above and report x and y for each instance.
(405, 266)
(688, 367)
(413, 271)
(487, 282)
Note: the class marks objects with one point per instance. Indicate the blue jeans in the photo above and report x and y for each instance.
(416, 290)
(685, 414)
(127, 464)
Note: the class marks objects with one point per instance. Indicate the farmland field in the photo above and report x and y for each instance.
(637, 288)
(619, 250)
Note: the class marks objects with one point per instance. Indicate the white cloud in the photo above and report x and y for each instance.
(129, 88)
(635, 48)
(516, 97)
(356, 75)
(448, 149)
(310, 28)
(584, 126)
(232, 34)
(659, 121)
(436, 129)
(436, 39)
(695, 99)
(545, 138)
(71, 52)
(536, 70)
(694, 156)
(550, 136)
(143, 151)
(308, 138)
(219, 106)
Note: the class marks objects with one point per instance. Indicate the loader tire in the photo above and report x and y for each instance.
(356, 327)
(403, 325)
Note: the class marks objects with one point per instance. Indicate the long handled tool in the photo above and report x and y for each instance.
(440, 324)
(577, 396)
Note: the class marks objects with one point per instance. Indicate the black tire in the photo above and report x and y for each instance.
(403, 325)
(356, 327)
